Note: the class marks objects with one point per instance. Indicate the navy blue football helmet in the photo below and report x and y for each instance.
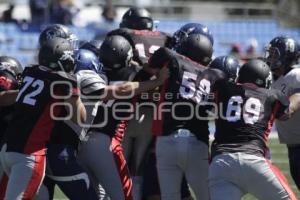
(87, 60)
(228, 64)
(189, 29)
(282, 51)
(58, 31)
(93, 45)
(11, 65)
(57, 54)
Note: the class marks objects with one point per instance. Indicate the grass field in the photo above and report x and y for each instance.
(279, 157)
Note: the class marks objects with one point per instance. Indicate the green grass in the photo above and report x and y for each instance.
(279, 158)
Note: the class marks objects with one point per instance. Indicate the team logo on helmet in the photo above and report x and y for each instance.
(50, 35)
(290, 45)
(8, 67)
(67, 55)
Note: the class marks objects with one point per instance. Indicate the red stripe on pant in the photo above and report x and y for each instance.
(36, 178)
(3, 185)
(117, 150)
(283, 180)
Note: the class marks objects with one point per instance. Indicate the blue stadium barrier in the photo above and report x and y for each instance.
(23, 45)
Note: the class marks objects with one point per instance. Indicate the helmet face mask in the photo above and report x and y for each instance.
(272, 57)
(57, 55)
(12, 66)
(282, 52)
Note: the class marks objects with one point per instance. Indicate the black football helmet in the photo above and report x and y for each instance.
(137, 18)
(57, 54)
(115, 52)
(255, 71)
(57, 30)
(11, 65)
(282, 51)
(197, 47)
(228, 64)
(189, 29)
(93, 45)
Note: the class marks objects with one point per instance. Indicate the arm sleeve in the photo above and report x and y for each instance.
(159, 58)
(90, 82)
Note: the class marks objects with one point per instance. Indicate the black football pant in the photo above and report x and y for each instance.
(294, 159)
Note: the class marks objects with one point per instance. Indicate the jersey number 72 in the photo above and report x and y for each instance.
(30, 98)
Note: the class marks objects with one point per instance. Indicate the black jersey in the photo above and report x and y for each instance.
(112, 116)
(91, 86)
(35, 113)
(177, 108)
(144, 42)
(246, 115)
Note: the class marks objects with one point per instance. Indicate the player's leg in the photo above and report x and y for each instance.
(26, 173)
(223, 180)
(185, 191)
(128, 140)
(294, 160)
(264, 180)
(122, 167)
(3, 185)
(169, 173)
(150, 189)
(140, 147)
(99, 158)
(50, 185)
(196, 169)
(129, 152)
(224, 190)
(65, 171)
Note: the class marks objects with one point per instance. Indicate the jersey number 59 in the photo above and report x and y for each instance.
(188, 88)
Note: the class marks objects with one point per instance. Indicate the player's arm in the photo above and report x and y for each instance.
(130, 89)
(294, 94)
(8, 98)
(293, 106)
(79, 112)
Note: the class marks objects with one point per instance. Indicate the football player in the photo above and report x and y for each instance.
(137, 27)
(47, 92)
(150, 180)
(10, 74)
(182, 143)
(106, 133)
(282, 53)
(62, 166)
(246, 112)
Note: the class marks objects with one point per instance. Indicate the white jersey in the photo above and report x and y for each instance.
(289, 131)
(90, 83)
